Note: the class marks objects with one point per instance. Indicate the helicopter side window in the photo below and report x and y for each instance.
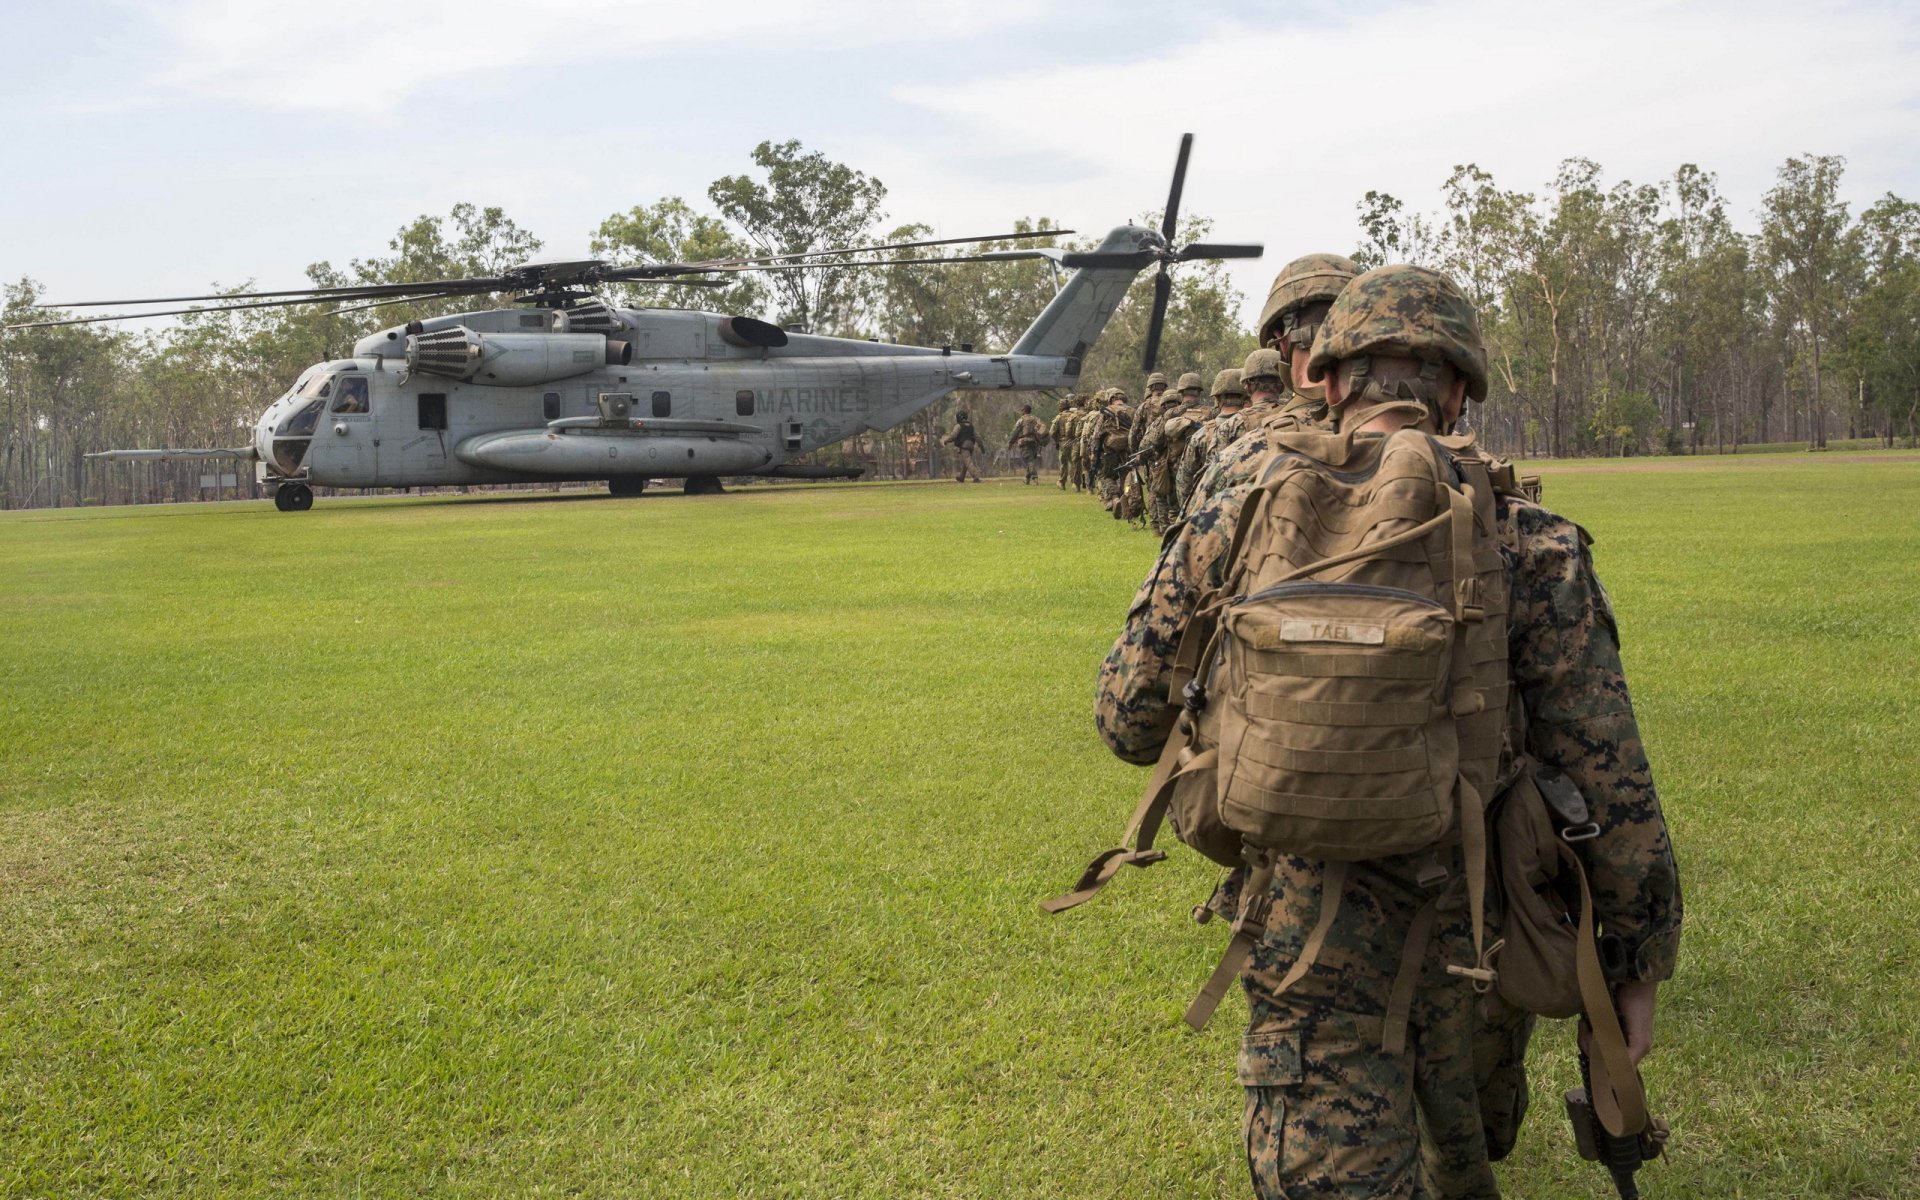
(550, 406)
(663, 404)
(743, 402)
(433, 410)
(351, 396)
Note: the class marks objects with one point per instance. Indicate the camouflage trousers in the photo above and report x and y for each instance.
(963, 465)
(1329, 1113)
(1066, 471)
(1161, 513)
(1030, 459)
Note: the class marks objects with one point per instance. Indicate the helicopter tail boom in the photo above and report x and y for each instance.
(1069, 325)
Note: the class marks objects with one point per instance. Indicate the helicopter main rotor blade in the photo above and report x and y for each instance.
(1194, 250)
(1170, 221)
(1026, 235)
(213, 308)
(344, 292)
(1162, 292)
(995, 256)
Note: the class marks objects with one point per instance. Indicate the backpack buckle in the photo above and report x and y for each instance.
(1255, 907)
(1580, 833)
(1194, 696)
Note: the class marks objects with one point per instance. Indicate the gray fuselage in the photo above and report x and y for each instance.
(704, 405)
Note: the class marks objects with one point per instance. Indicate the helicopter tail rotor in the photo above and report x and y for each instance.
(1166, 256)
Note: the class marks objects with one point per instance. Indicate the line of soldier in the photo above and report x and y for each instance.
(1146, 460)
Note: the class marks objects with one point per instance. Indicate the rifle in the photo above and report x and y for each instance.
(1625, 1152)
(1622, 1155)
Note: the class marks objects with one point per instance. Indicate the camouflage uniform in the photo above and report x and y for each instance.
(1085, 443)
(965, 443)
(1114, 417)
(1161, 446)
(1329, 1112)
(1151, 408)
(1059, 433)
(1029, 432)
(1215, 431)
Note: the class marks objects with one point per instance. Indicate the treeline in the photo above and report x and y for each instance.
(1621, 318)
(1635, 318)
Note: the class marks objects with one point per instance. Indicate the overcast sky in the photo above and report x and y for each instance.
(154, 147)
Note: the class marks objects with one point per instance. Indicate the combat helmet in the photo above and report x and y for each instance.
(1159, 377)
(1309, 279)
(1191, 381)
(1227, 383)
(1407, 311)
(1265, 364)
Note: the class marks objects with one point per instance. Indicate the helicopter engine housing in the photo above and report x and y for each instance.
(509, 359)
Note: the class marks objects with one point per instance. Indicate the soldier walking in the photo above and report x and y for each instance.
(1221, 429)
(1370, 1067)
(1163, 444)
(1060, 432)
(1029, 434)
(1112, 433)
(966, 444)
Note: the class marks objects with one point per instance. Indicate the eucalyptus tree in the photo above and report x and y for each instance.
(805, 201)
(1812, 254)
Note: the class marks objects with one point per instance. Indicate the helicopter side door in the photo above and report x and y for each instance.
(413, 445)
(346, 434)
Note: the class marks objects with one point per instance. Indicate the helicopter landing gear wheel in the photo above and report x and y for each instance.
(626, 485)
(293, 497)
(703, 485)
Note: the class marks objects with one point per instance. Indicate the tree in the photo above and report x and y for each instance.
(1390, 234)
(1809, 249)
(669, 230)
(806, 202)
(485, 241)
(1882, 346)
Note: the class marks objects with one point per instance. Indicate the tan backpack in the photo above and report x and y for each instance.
(1344, 694)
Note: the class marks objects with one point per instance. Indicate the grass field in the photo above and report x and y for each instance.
(689, 847)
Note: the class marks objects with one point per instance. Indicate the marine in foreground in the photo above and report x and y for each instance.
(1346, 712)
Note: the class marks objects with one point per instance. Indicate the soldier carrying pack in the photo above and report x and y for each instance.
(1344, 699)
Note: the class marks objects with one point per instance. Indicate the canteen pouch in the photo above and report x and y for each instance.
(1543, 890)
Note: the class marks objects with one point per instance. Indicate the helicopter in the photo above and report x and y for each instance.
(562, 387)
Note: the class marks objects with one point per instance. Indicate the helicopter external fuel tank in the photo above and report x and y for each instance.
(592, 453)
(509, 359)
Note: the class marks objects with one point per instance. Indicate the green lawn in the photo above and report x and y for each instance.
(689, 847)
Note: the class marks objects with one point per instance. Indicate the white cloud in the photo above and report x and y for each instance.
(364, 57)
(1294, 124)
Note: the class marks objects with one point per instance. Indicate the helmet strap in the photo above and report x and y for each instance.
(1364, 391)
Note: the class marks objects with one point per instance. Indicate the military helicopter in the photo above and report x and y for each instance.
(563, 387)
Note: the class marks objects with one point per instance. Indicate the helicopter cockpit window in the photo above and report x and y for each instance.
(351, 395)
(318, 385)
(743, 402)
(301, 423)
(663, 404)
